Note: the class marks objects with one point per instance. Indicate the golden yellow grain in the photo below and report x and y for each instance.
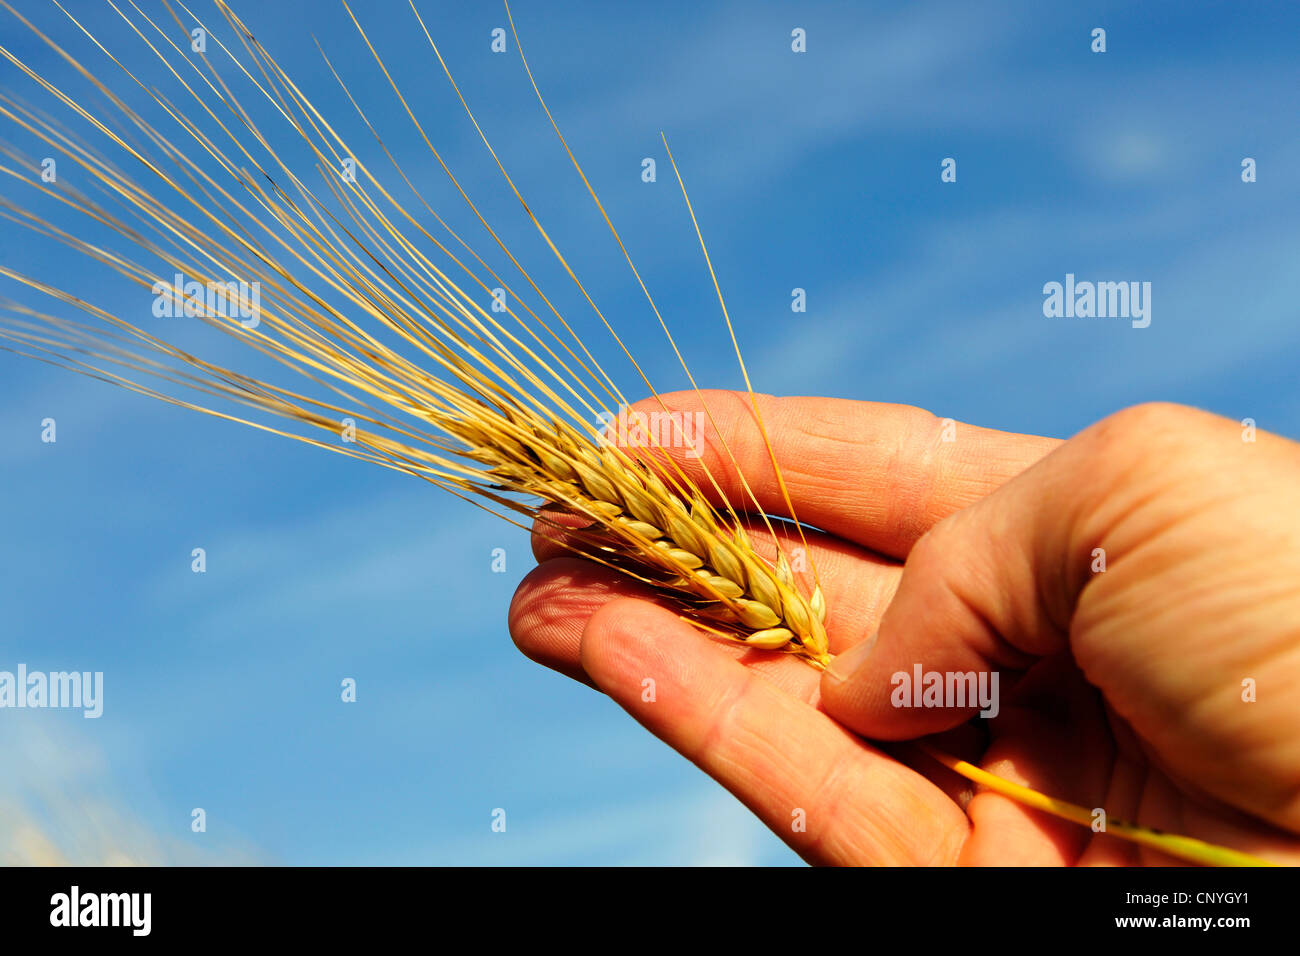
(438, 387)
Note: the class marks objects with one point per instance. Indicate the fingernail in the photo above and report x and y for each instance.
(843, 666)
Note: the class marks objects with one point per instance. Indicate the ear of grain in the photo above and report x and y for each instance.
(439, 387)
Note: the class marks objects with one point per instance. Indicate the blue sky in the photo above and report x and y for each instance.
(818, 170)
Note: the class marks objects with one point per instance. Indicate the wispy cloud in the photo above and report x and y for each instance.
(58, 806)
(819, 171)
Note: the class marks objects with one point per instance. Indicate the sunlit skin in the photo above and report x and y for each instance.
(1121, 689)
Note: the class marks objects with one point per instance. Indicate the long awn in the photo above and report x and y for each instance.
(403, 365)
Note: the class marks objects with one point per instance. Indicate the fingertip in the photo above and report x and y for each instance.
(844, 665)
(625, 639)
(552, 535)
(542, 625)
(553, 605)
(850, 692)
(871, 691)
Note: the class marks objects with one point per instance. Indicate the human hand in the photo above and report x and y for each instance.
(1119, 688)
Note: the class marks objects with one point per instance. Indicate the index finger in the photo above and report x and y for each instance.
(874, 473)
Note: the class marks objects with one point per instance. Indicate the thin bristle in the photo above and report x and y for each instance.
(492, 422)
(396, 351)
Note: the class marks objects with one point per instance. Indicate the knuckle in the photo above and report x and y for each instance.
(936, 545)
(1150, 419)
(1143, 439)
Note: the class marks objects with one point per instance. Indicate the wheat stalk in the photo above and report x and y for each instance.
(678, 541)
(492, 410)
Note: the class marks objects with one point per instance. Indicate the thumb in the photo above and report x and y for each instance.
(986, 592)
